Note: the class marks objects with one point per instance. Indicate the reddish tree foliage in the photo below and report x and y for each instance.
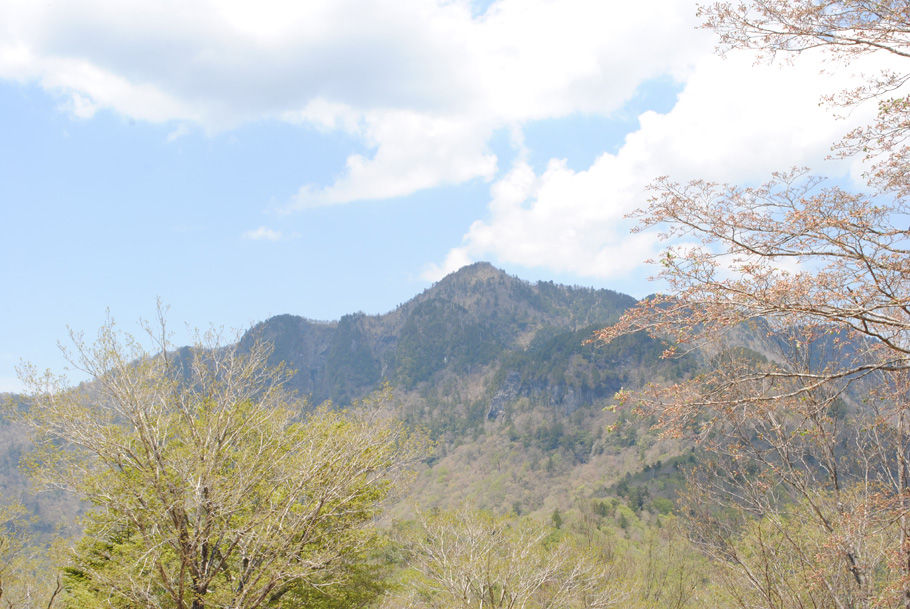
(796, 295)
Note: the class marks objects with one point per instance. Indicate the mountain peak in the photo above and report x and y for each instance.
(478, 271)
(478, 268)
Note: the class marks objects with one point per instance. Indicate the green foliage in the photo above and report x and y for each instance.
(440, 333)
(556, 518)
(561, 360)
(211, 489)
(451, 349)
(662, 505)
(26, 581)
(350, 362)
(656, 485)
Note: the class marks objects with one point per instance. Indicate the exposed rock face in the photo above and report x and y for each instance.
(508, 391)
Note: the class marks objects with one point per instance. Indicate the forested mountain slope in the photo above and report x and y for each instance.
(500, 372)
(470, 319)
(495, 368)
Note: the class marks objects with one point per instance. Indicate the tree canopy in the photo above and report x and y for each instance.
(212, 486)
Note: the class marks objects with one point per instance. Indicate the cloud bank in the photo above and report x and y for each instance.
(424, 85)
(733, 122)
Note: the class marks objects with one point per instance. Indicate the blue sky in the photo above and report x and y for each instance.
(240, 161)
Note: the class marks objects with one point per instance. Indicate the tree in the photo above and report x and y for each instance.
(212, 486)
(472, 558)
(797, 296)
(23, 583)
(846, 30)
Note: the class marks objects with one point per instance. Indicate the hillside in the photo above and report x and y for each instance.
(495, 368)
(471, 319)
(499, 371)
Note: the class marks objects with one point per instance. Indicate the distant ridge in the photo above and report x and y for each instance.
(467, 320)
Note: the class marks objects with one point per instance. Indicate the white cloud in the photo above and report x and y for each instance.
(263, 233)
(181, 130)
(733, 122)
(423, 82)
(424, 85)
(456, 258)
(413, 152)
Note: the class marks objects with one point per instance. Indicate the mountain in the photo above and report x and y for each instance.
(52, 511)
(516, 399)
(497, 370)
(469, 320)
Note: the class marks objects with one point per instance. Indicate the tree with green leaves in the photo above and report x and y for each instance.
(24, 582)
(212, 486)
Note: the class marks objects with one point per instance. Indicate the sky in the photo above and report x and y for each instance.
(240, 160)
